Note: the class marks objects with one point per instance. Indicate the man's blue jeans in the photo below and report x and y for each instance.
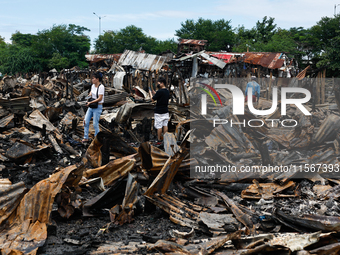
(95, 113)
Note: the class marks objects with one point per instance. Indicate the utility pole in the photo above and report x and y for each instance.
(100, 18)
(335, 9)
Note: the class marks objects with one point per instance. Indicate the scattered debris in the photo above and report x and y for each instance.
(50, 180)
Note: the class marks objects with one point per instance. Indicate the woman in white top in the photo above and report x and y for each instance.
(97, 94)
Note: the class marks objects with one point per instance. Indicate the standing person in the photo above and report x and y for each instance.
(97, 93)
(256, 89)
(161, 110)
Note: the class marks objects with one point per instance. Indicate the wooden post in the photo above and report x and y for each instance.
(270, 85)
(318, 88)
(180, 84)
(323, 87)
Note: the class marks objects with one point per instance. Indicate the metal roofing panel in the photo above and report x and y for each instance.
(276, 58)
(215, 61)
(118, 80)
(279, 63)
(226, 57)
(100, 57)
(141, 61)
(189, 56)
(267, 59)
(194, 42)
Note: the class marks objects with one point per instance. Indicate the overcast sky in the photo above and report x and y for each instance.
(159, 19)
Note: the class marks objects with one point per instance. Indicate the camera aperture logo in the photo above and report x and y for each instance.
(238, 104)
(204, 96)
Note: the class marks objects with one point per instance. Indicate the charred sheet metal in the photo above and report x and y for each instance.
(37, 119)
(110, 197)
(153, 158)
(166, 175)
(4, 122)
(93, 153)
(16, 104)
(170, 144)
(240, 216)
(21, 149)
(267, 190)
(317, 222)
(27, 230)
(113, 170)
(10, 197)
(142, 61)
(328, 129)
(129, 201)
(296, 242)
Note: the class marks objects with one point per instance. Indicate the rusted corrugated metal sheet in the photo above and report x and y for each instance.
(153, 158)
(10, 197)
(274, 61)
(252, 58)
(142, 61)
(265, 59)
(193, 42)
(27, 226)
(113, 170)
(93, 58)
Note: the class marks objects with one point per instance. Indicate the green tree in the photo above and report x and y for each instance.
(14, 59)
(2, 41)
(265, 30)
(219, 33)
(324, 39)
(258, 37)
(57, 61)
(106, 43)
(330, 58)
(62, 42)
(22, 39)
(161, 46)
(131, 38)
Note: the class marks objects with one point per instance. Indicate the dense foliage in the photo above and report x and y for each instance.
(131, 38)
(65, 46)
(59, 47)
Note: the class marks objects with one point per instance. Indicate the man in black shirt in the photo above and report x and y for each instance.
(161, 110)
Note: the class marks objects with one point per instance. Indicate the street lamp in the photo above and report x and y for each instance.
(335, 9)
(100, 18)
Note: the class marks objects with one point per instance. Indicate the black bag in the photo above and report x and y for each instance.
(93, 105)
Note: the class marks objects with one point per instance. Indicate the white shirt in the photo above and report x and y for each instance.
(101, 91)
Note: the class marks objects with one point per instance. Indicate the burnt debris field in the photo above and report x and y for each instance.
(123, 193)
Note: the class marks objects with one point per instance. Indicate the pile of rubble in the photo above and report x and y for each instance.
(48, 178)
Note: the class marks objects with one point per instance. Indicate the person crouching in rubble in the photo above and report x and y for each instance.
(97, 95)
(256, 89)
(161, 110)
